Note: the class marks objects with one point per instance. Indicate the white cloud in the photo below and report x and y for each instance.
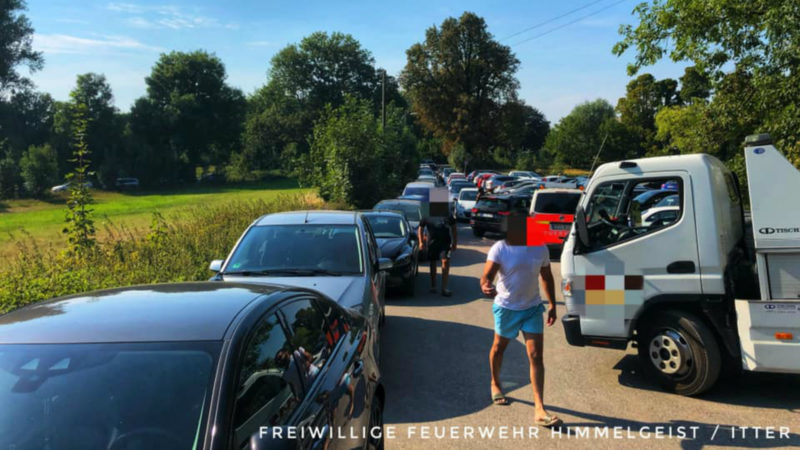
(66, 44)
(166, 16)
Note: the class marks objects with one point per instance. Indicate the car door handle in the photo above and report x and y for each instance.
(681, 267)
(358, 369)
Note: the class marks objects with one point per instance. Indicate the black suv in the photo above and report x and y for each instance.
(488, 213)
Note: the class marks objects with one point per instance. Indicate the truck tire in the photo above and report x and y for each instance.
(680, 351)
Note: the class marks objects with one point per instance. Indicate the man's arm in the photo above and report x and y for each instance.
(419, 236)
(489, 272)
(549, 292)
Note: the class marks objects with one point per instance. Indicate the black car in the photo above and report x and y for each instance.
(488, 213)
(398, 242)
(189, 365)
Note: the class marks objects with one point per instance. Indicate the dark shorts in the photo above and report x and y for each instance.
(438, 251)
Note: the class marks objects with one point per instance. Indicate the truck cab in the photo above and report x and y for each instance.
(691, 289)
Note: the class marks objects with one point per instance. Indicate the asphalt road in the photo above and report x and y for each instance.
(435, 365)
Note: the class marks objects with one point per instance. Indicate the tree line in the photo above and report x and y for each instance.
(327, 115)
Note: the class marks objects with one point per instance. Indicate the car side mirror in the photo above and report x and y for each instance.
(272, 438)
(581, 231)
(385, 264)
(216, 265)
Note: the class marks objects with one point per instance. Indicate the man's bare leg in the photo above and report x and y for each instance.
(445, 273)
(534, 344)
(496, 360)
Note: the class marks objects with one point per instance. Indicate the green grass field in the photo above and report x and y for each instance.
(44, 219)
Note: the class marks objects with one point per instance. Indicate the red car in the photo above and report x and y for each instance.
(551, 215)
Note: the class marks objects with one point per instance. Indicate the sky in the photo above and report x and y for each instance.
(564, 47)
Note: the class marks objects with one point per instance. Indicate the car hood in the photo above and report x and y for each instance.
(391, 247)
(345, 290)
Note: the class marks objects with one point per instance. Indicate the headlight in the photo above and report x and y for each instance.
(566, 287)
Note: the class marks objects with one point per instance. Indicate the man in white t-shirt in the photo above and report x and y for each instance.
(518, 306)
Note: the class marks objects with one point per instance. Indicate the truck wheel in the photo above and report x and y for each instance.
(678, 349)
(477, 232)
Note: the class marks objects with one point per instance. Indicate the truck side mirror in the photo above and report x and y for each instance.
(581, 231)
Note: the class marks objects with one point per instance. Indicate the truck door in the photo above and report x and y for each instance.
(641, 246)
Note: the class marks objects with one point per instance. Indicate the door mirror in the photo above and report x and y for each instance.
(385, 264)
(272, 438)
(216, 265)
(581, 231)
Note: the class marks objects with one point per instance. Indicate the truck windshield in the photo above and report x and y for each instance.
(92, 396)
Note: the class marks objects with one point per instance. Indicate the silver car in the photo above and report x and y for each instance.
(332, 252)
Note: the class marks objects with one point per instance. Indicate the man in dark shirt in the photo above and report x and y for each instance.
(441, 239)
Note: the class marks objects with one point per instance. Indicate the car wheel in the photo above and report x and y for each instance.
(477, 232)
(375, 421)
(680, 351)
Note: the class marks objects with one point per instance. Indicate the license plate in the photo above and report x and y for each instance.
(560, 226)
(485, 215)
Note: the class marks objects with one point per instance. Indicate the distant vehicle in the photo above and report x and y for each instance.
(670, 185)
(670, 200)
(456, 187)
(582, 181)
(334, 252)
(429, 178)
(126, 183)
(488, 212)
(446, 171)
(422, 188)
(495, 181)
(507, 185)
(65, 187)
(553, 211)
(398, 242)
(660, 216)
(520, 185)
(465, 203)
(647, 199)
(481, 178)
(559, 182)
(455, 176)
(426, 172)
(411, 209)
(214, 365)
(527, 174)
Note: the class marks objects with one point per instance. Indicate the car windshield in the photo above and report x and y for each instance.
(413, 190)
(387, 226)
(290, 250)
(410, 211)
(492, 204)
(101, 396)
(457, 186)
(556, 203)
(469, 195)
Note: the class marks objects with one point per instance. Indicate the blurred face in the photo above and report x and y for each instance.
(515, 228)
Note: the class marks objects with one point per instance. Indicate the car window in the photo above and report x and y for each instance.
(308, 338)
(298, 247)
(423, 191)
(469, 196)
(492, 204)
(269, 385)
(615, 212)
(670, 200)
(387, 226)
(556, 203)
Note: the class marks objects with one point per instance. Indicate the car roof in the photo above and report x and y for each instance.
(559, 191)
(384, 212)
(317, 217)
(408, 201)
(200, 311)
(425, 184)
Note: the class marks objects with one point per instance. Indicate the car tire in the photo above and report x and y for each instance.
(477, 232)
(375, 420)
(680, 351)
(410, 283)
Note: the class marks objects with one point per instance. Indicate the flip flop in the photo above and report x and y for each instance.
(499, 399)
(548, 421)
(446, 293)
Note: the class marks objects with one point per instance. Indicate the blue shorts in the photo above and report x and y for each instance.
(508, 322)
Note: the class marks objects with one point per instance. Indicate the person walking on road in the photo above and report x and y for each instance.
(518, 307)
(442, 239)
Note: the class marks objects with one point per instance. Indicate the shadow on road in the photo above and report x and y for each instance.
(435, 370)
(761, 390)
(466, 257)
(465, 290)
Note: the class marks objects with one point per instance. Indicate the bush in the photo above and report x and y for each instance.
(178, 249)
(39, 169)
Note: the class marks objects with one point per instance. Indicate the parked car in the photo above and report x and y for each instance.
(188, 365)
(488, 212)
(661, 215)
(456, 187)
(428, 178)
(553, 211)
(465, 203)
(670, 200)
(126, 183)
(481, 178)
(398, 242)
(648, 199)
(510, 184)
(410, 207)
(65, 187)
(455, 176)
(495, 181)
(428, 172)
(334, 252)
(559, 182)
(527, 174)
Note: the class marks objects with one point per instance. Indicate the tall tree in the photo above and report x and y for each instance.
(190, 116)
(457, 79)
(760, 39)
(695, 85)
(644, 96)
(16, 39)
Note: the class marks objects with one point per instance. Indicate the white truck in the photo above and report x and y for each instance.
(696, 292)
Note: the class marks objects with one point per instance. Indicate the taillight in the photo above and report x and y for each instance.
(504, 213)
(474, 210)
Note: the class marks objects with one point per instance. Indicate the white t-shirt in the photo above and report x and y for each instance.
(518, 278)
